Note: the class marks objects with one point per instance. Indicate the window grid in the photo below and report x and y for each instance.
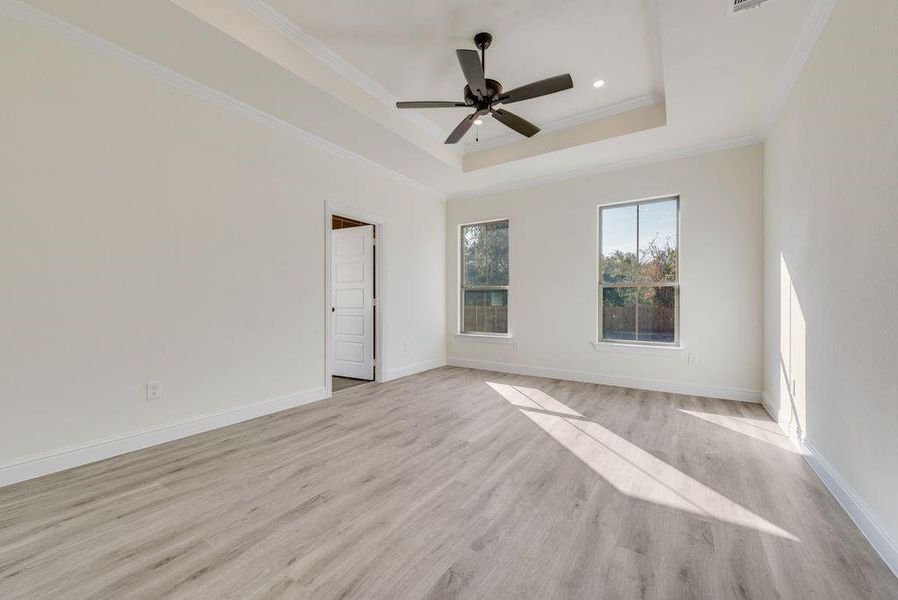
(465, 286)
(638, 283)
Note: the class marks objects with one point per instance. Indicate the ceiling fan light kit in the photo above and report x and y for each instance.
(483, 95)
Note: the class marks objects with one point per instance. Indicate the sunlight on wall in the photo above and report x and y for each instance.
(792, 357)
(627, 467)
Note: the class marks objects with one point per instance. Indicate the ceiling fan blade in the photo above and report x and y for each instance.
(519, 124)
(429, 104)
(462, 129)
(471, 67)
(538, 88)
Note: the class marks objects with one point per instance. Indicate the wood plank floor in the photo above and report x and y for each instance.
(344, 383)
(451, 483)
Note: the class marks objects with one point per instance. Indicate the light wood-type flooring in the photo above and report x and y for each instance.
(344, 383)
(454, 483)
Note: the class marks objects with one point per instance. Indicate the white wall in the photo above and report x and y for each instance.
(831, 222)
(553, 304)
(146, 234)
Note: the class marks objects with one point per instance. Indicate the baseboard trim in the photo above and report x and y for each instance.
(783, 419)
(724, 393)
(864, 517)
(82, 454)
(415, 368)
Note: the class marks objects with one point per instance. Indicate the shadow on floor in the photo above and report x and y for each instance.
(344, 383)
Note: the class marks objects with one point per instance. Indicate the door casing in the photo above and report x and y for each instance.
(381, 310)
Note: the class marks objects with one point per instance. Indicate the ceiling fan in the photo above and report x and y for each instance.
(483, 94)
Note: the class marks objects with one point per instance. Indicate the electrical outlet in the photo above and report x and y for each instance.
(405, 346)
(514, 346)
(154, 390)
(690, 358)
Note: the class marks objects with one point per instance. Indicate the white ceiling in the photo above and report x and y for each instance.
(328, 73)
(408, 48)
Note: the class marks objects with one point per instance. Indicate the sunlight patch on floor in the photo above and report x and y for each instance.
(627, 467)
(524, 397)
(748, 427)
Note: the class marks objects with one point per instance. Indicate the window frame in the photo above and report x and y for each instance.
(461, 283)
(639, 284)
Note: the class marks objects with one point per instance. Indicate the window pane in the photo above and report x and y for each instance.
(619, 313)
(657, 314)
(485, 253)
(619, 244)
(658, 241)
(485, 311)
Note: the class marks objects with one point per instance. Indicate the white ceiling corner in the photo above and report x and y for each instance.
(570, 121)
(314, 46)
(408, 49)
(606, 167)
(608, 110)
(723, 80)
(45, 21)
(807, 39)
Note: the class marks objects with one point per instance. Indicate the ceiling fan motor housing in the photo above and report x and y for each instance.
(490, 92)
(493, 89)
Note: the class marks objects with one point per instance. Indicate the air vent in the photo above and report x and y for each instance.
(735, 6)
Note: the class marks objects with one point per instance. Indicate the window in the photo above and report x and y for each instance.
(639, 290)
(484, 277)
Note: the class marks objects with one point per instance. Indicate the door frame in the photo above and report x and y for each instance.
(380, 289)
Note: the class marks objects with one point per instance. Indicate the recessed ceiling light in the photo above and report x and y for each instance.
(478, 121)
(598, 83)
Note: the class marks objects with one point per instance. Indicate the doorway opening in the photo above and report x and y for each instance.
(353, 340)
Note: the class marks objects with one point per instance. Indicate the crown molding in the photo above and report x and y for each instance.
(654, 33)
(571, 121)
(49, 23)
(611, 166)
(316, 48)
(807, 39)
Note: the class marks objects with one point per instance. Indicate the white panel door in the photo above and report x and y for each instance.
(352, 317)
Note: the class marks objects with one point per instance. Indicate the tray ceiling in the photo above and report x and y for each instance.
(408, 49)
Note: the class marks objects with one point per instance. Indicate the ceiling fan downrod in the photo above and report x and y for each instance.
(483, 94)
(483, 40)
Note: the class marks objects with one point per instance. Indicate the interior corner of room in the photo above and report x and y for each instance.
(534, 300)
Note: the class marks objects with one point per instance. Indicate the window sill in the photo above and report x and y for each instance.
(637, 348)
(488, 338)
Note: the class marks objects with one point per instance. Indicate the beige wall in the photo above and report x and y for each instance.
(553, 298)
(148, 235)
(145, 234)
(831, 222)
